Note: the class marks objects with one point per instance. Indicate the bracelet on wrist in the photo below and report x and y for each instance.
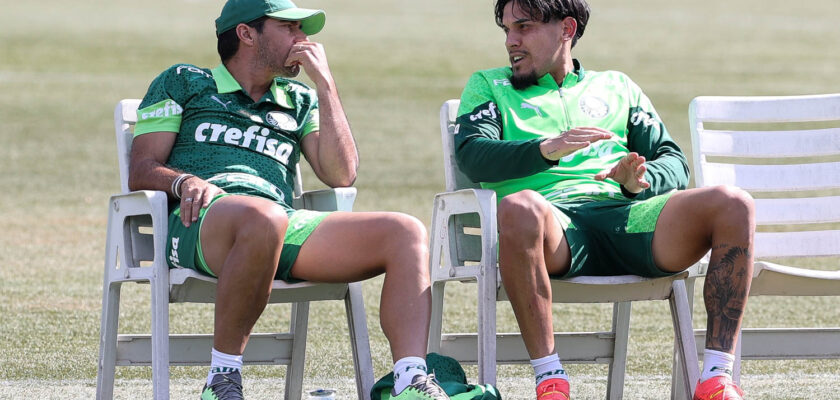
(176, 185)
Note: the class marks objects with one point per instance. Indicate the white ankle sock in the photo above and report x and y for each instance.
(716, 363)
(548, 367)
(405, 369)
(221, 363)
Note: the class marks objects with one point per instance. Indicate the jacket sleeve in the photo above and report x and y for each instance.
(480, 149)
(667, 167)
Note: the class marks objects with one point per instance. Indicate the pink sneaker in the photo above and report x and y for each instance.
(718, 388)
(553, 389)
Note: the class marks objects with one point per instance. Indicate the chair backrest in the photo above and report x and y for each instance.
(455, 179)
(786, 152)
(125, 117)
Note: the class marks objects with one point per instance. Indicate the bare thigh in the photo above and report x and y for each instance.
(234, 215)
(683, 230)
(347, 247)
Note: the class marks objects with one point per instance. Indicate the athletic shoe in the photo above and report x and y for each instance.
(553, 389)
(421, 388)
(224, 387)
(718, 388)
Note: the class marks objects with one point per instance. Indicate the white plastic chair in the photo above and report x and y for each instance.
(779, 149)
(134, 252)
(459, 253)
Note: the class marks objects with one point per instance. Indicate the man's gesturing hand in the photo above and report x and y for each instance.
(572, 140)
(629, 172)
(196, 194)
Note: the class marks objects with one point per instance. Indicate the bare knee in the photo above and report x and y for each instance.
(404, 237)
(521, 216)
(262, 227)
(733, 207)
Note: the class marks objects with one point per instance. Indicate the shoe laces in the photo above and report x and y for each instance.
(553, 387)
(226, 387)
(428, 385)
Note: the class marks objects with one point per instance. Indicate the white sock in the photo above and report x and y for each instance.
(716, 363)
(221, 363)
(405, 369)
(548, 367)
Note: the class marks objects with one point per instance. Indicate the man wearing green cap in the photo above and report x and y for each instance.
(225, 143)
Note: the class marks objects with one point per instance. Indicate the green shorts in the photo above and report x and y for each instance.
(183, 248)
(612, 237)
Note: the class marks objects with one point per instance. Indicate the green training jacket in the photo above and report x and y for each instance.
(499, 129)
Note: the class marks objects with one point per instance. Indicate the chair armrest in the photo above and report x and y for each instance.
(335, 199)
(458, 248)
(128, 215)
(140, 202)
(463, 201)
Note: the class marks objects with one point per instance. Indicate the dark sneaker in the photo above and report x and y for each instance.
(421, 388)
(224, 387)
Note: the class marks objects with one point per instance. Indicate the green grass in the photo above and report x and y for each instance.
(64, 65)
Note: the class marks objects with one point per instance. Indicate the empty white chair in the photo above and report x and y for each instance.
(785, 151)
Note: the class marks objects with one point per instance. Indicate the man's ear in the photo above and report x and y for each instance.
(569, 26)
(245, 34)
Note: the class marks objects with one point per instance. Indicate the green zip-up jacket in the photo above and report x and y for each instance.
(499, 129)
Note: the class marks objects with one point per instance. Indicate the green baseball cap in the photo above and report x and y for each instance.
(237, 12)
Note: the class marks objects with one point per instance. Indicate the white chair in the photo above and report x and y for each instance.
(780, 150)
(137, 227)
(464, 248)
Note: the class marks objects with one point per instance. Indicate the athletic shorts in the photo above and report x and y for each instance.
(183, 248)
(612, 237)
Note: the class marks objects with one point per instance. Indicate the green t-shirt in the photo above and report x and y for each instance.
(499, 129)
(225, 137)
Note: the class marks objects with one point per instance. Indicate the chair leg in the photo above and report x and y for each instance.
(160, 336)
(684, 332)
(621, 330)
(359, 340)
(436, 322)
(487, 329)
(298, 327)
(677, 376)
(108, 340)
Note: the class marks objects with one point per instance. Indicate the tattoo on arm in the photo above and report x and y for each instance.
(725, 291)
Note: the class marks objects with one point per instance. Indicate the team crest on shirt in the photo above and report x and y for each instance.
(281, 120)
(594, 107)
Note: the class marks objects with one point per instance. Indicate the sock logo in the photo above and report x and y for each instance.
(725, 370)
(223, 370)
(551, 373)
(409, 368)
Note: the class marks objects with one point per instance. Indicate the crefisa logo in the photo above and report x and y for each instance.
(281, 120)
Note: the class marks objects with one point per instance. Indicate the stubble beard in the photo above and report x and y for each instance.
(268, 58)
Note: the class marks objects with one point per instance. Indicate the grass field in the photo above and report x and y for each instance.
(64, 65)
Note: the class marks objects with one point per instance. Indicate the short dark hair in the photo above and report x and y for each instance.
(228, 43)
(548, 10)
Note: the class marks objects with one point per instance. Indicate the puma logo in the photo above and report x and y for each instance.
(225, 105)
(532, 107)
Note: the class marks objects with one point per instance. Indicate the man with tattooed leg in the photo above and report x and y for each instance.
(591, 183)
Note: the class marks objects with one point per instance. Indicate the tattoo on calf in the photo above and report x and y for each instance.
(725, 290)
